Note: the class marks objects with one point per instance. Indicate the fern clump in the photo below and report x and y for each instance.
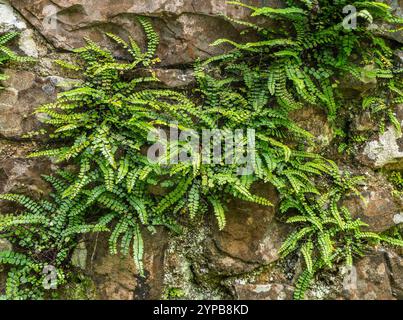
(313, 48)
(111, 121)
(105, 120)
(43, 234)
(326, 233)
(304, 61)
(46, 232)
(229, 108)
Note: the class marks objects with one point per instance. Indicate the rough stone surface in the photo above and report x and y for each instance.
(207, 264)
(370, 279)
(399, 56)
(315, 121)
(24, 92)
(272, 291)
(186, 28)
(116, 277)
(18, 174)
(380, 207)
(395, 262)
(9, 20)
(175, 78)
(363, 122)
(360, 85)
(79, 256)
(387, 150)
(397, 6)
(252, 235)
(5, 245)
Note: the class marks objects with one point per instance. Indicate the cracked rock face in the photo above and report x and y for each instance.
(116, 276)
(24, 92)
(380, 208)
(251, 237)
(186, 27)
(5, 245)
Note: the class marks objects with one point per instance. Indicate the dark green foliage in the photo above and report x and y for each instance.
(309, 53)
(106, 121)
(397, 181)
(304, 60)
(103, 127)
(47, 231)
(43, 234)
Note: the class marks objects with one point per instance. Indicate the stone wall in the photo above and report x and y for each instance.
(240, 262)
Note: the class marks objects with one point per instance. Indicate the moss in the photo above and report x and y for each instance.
(81, 289)
(397, 181)
(173, 294)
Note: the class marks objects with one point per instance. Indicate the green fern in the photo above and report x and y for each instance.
(102, 126)
(43, 235)
(298, 58)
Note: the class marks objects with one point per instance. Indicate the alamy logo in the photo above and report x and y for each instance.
(50, 279)
(50, 20)
(209, 147)
(350, 21)
(350, 278)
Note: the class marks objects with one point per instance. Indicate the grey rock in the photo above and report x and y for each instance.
(369, 279)
(27, 44)
(395, 261)
(5, 245)
(116, 276)
(251, 237)
(271, 291)
(386, 150)
(9, 19)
